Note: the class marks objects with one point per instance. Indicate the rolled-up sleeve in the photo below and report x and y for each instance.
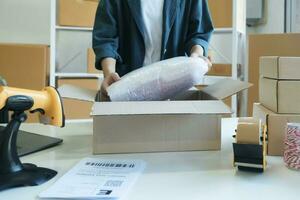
(105, 33)
(200, 26)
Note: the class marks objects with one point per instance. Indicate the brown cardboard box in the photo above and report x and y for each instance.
(280, 96)
(191, 121)
(220, 70)
(276, 67)
(221, 13)
(25, 66)
(276, 125)
(77, 13)
(75, 109)
(91, 62)
(268, 45)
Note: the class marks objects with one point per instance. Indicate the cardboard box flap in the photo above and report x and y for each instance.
(160, 107)
(226, 88)
(75, 92)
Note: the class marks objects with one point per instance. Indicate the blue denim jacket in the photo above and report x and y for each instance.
(119, 31)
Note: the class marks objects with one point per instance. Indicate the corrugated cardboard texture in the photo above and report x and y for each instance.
(268, 93)
(182, 125)
(91, 62)
(220, 70)
(77, 13)
(276, 127)
(287, 68)
(289, 97)
(156, 133)
(268, 45)
(268, 67)
(221, 13)
(280, 96)
(25, 66)
(75, 109)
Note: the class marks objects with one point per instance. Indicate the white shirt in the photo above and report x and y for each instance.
(152, 12)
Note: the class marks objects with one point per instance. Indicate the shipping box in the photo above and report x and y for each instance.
(191, 121)
(221, 13)
(267, 45)
(280, 96)
(25, 66)
(80, 13)
(282, 68)
(276, 127)
(76, 109)
(279, 84)
(218, 69)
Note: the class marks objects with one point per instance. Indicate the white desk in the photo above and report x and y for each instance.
(176, 176)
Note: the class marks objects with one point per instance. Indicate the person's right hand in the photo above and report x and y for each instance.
(108, 80)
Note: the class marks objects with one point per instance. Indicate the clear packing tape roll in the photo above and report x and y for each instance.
(291, 154)
(159, 81)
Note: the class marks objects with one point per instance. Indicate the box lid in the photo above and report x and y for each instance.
(160, 107)
(75, 92)
(226, 88)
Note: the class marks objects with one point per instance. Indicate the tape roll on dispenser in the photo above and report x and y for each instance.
(250, 145)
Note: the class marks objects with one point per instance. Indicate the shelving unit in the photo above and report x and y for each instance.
(78, 75)
(73, 28)
(54, 29)
(237, 47)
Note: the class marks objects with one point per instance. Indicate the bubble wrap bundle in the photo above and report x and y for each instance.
(159, 81)
(291, 155)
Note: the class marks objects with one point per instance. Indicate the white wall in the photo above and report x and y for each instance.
(274, 20)
(25, 21)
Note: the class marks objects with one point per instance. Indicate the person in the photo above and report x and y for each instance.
(129, 34)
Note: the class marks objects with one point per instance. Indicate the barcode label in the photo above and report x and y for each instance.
(113, 183)
(115, 165)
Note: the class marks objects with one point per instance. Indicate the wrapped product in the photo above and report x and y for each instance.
(159, 81)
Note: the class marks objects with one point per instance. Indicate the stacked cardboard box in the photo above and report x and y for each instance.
(268, 45)
(279, 97)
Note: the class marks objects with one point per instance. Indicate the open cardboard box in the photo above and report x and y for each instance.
(190, 121)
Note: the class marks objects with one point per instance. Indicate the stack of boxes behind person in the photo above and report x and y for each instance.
(279, 98)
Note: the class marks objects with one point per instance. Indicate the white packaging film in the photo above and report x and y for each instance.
(159, 81)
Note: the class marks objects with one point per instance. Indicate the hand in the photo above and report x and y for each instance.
(206, 59)
(108, 80)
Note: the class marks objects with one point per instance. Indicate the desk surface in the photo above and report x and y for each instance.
(176, 176)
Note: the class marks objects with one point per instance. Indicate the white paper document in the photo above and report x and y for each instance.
(94, 178)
